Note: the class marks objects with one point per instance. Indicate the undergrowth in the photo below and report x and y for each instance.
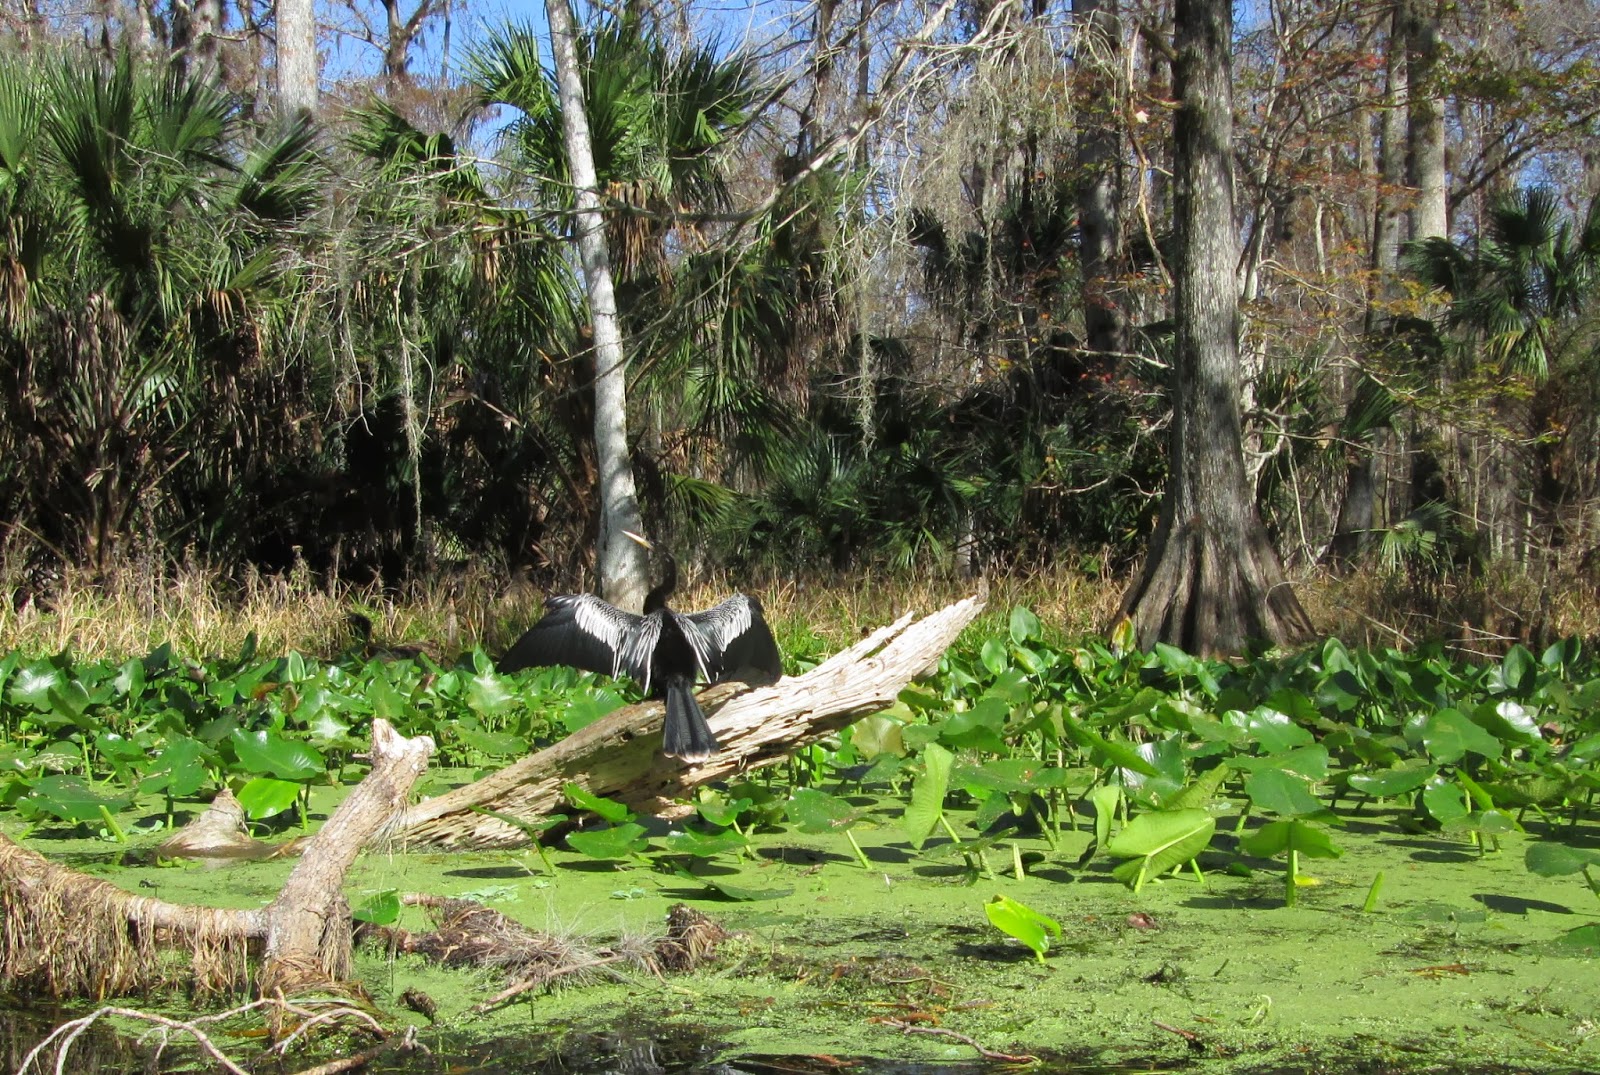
(205, 611)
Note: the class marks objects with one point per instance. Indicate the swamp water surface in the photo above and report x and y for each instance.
(1466, 963)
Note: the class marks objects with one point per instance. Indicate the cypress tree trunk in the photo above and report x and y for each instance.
(1099, 44)
(1358, 514)
(1425, 157)
(622, 563)
(1212, 580)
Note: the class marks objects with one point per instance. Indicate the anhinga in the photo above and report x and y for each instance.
(664, 650)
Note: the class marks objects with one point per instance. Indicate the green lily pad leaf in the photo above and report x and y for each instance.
(1281, 792)
(1024, 923)
(1275, 731)
(1558, 860)
(382, 909)
(1583, 941)
(739, 893)
(927, 795)
(1012, 774)
(1310, 762)
(325, 728)
(70, 799)
(1106, 751)
(704, 845)
(1487, 822)
(720, 811)
(270, 754)
(1450, 735)
(993, 656)
(1445, 800)
(616, 842)
(1025, 626)
(493, 744)
(877, 734)
(70, 704)
(1387, 783)
(1277, 837)
(386, 701)
(608, 809)
(1509, 721)
(1517, 669)
(178, 769)
(816, 811)
(584, 709)
(977, 728)
(1157, 842)
(266, 797)
(487, 694)
(1198, 793)
(129, 681)
(32, 686)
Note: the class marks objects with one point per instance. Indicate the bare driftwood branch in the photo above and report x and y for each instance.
(618, 756)
(308, 925)
(68, 934)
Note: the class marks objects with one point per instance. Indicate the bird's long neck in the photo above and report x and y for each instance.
(668, 581)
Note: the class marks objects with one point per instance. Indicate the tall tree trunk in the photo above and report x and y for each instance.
(623, 569)
(1099, 46)
(297, 57)
(1425, 159)
(1212, 580)
(1353, 531)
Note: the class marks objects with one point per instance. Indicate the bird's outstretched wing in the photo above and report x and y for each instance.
(579, 630)
(735, 636)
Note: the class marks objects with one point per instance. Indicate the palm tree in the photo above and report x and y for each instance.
(461, 310)
(1518, 323)
(143, 232)
(661, 122)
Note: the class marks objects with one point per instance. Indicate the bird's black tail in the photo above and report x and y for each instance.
(686, 734)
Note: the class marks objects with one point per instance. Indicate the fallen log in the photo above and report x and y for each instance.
(619, 755)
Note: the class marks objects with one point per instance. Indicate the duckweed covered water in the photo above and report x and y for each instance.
(1467, 963)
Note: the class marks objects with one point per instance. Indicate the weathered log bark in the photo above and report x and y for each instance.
(67, 934)
(618, 756)
(308, 925)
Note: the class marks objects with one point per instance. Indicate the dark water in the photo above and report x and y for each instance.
(653, 1051)
(542, 1051)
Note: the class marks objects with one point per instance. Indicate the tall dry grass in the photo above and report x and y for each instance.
(203, 613)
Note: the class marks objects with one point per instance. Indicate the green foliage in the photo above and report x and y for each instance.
(1011, 740)
(1022, 922)
(1154, 843)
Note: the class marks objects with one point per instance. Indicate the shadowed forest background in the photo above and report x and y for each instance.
(895, 288)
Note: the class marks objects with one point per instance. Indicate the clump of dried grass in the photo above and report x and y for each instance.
(468, 934)
(66, 934)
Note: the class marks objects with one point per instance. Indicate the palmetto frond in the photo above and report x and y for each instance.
(1510, 287)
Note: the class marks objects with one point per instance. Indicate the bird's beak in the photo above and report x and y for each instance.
(640, 538)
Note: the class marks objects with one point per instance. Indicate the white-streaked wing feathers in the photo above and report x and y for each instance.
(635, 653)
(579, 630)
(736, 636)
(603, 622)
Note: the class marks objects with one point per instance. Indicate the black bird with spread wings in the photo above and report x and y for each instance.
(664, 650)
